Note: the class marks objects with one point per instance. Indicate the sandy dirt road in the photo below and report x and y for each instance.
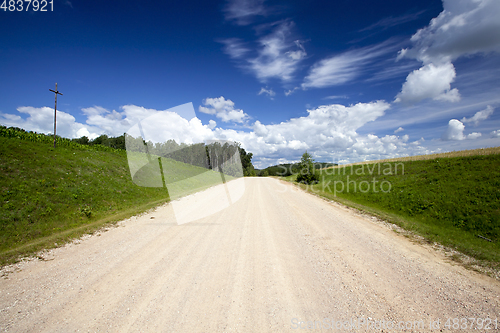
(278, 259)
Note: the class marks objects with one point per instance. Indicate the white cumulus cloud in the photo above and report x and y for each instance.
(162, 126)
(430, 81)
(455, 132)
(329, 131)
(173, 124)
(464, 27)
(41, 120)
(473, 135)
(212, 124)
(223, 109)
(495, 134)
(326, 129)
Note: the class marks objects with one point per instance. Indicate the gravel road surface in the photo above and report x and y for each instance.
(278, 259)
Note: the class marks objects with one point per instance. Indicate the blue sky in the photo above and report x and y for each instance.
(347, 80)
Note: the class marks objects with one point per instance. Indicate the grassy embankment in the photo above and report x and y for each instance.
(452, 199)
(51, 196)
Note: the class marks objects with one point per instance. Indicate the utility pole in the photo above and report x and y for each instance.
(55, 112)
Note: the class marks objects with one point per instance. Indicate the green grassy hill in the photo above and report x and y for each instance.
(52, 195)
(454, 201)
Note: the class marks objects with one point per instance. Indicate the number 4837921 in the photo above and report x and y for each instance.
(27, 5)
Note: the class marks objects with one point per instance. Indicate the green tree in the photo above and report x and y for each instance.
(307, 173)
(263, 173)
(83, 140)
(117, 143)
(101, 140)
(246, 163)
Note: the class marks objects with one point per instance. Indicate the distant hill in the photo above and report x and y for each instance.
(288, 169)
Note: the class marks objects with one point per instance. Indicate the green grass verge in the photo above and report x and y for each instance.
(451, 201)
(52, 195)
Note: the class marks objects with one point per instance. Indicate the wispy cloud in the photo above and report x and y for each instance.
(400, 129)
(291, 91)
(336, 97)
(269, 92)
(234, 47)
(344, 67)
(479, 116)
(279, 55)
(68, 3)
(242, 12)
(393, 71)
(390, 21)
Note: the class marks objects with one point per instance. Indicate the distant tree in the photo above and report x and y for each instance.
(307, 174)
(117, 143)
(83, 140)
(101, 140)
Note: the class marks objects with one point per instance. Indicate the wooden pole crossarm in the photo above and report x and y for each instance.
(57, 92)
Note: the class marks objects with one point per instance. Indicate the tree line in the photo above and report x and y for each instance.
(288, 169)
(103, 140)
(217, 155)
(21, 134)
(212, 156)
